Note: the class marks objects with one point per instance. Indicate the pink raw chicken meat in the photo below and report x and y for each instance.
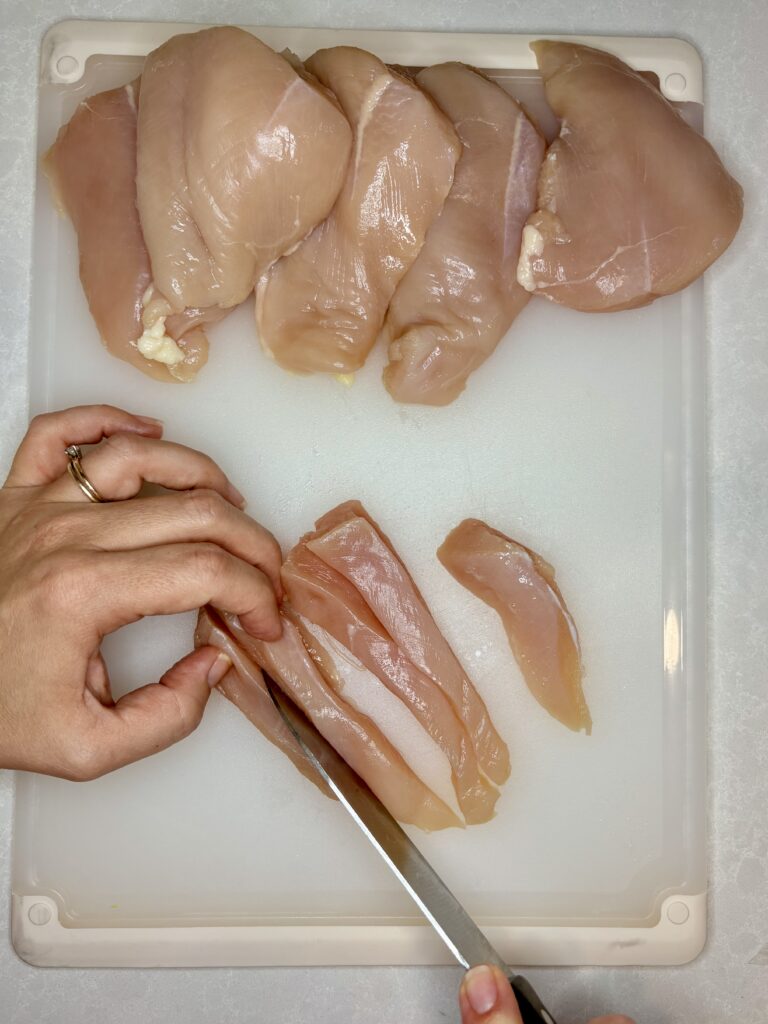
(324, 597)
(239, 158)
(349, 541)
(633, 202)
(321, 307)
(354, 736)
(461, 295)
(92, 170)
(244, 686)
(521, 587)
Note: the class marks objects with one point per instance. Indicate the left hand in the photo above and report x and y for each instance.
(73, 570)
(486, 997)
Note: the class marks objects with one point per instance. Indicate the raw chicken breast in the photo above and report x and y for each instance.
(521, 587)
(633, 203)
(92, 170)
(239, 158)
(325, 598)
(322, 307)
(354, 736)
(349, 541)
(244, 686)
(460, 297)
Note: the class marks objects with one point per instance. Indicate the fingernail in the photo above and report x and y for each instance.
(237, 497)
(481, 990)
(219, 669)
(150, 421)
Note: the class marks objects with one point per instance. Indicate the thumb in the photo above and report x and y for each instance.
(486, 997)
(152, 718)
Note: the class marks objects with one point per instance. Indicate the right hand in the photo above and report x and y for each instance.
(72, 571)
(486, 997)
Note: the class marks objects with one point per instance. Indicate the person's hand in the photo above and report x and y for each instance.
(486, 997)
(72, 571)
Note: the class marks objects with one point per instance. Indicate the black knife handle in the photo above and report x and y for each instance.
(532, 1010)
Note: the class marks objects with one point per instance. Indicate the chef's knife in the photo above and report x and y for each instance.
(433, 897)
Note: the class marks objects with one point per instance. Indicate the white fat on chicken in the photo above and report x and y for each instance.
(154, 343)
(365, 692)
(533, 246)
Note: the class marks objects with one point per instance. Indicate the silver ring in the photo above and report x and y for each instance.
(76, 471)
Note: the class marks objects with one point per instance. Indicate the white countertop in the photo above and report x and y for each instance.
(729, 982)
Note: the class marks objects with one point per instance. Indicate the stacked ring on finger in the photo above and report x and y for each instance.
(122, 463)
(76, 471)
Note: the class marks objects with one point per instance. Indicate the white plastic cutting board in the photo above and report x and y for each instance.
(582, 437)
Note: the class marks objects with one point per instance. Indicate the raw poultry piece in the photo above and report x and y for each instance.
(350, 542)
(461, 295)
(92, 171)
(521, 587)
(323, 597)
(633, 202)
(354, 736)
(321, 308)
(244, 686)
(239, 157)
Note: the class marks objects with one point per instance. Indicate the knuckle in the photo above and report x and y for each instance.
(40, 422)
(47, 531)
(188, 714)
(204, 507)
(60, 578)
(122, 444)
(83, 762)
(210, 561)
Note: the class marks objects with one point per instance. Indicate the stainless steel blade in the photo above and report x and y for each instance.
(433, 897)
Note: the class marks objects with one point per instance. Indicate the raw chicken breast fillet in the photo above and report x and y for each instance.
(239, 157)
(461, 295)
(244, 686)
(349, 542)
(321, 308)
(92, 170)
(633, 202)
(521, 587)
(324, 597)
(351, 733)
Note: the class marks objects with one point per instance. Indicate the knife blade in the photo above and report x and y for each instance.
(447, 916)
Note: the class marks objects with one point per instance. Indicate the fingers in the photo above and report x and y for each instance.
(119, 467)
(193, 516)
(486, 997)
(118, 587)
(41, 457)
(148, 720)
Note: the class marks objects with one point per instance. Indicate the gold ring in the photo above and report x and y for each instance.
(76, 471)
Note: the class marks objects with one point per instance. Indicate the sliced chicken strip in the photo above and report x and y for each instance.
(354, 736)
(461, 295)
(633, 202)
(364, 692)
(92, 170)
(327, 599)
(350, 542)
(244, 686)
(322, 307)
(521, 587)
(239, 158)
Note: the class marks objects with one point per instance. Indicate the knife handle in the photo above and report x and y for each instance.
(532, 1010)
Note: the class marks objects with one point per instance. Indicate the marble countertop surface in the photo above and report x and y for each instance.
(729, 981)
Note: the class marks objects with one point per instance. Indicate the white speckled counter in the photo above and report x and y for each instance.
(729, 982)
